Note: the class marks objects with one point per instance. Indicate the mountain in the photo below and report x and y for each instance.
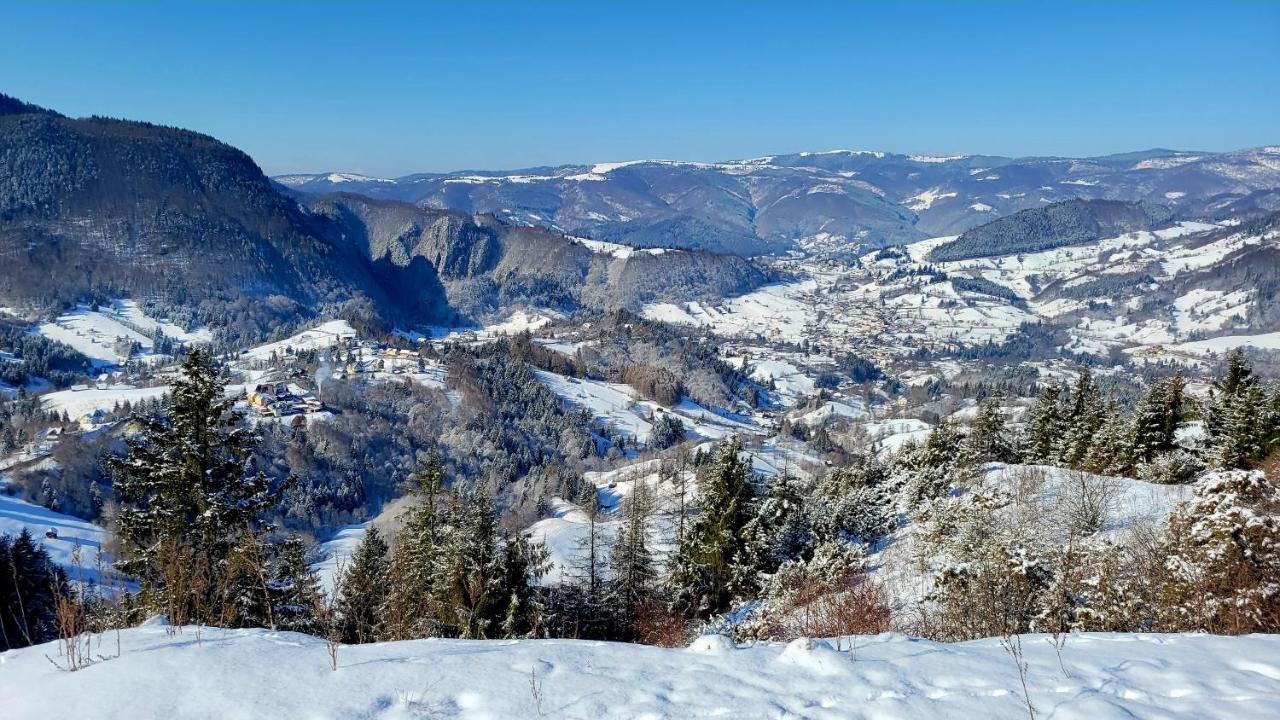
(1066, 223)
(842, 200)
(486, 264)
(99, 208)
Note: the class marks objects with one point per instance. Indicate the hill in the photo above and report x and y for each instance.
(1053, 226)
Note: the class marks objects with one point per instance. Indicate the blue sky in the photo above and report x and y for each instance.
(389, 89)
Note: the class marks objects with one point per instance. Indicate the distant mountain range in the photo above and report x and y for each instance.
(842, 200)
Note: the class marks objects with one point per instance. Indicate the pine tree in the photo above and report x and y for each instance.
(699, 582)
(1111, 452)
(186, 487)
(364, 590)
(1236, 416)
(630, 561)
(521, 564)
(410, 608)
(467, 587)
(1046, 425)
(989, 436)
(295, 589)
(929, 471)
(1084, 419)
(1157, 419)
(778, 531)
(29, 586)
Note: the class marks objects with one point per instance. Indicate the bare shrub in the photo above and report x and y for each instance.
(850, 604)
(654, 624)
(1087, 502)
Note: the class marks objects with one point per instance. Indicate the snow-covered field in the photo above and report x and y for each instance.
(215, 673)
(317, 338)
(95, 333)
(75, 536)
(619, 407)
(84, 401)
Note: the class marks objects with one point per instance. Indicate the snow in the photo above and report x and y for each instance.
(73, 533)
(93, 333)
(215, 673)
(1266, 341)
(78, 403)
(337, 551)
(926, 199)
(322, 336)
(891, 435)
(937, 158)
(620, 408)
(775, 311)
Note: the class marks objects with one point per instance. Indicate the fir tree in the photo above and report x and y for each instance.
(1157, 419)
(29, 586)
(1111, 452)
(364, 590)
(295, 589)
(467, 587)
(989, 437)
(1084, 419)
(778, 531)
(1046, 425)
(186, 487)
(1236, 416)
(630, 561)
(699, 582)
(410, 607)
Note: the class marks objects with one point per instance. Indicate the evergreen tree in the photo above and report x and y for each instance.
(989, 437)
(29, 586)
(187, 492)
(410, 607)
(1111, 452)
(364, 590)
(1237, 416)
(467, 587)
(699, 582)
(1046, 425)
(1084, 419)
(778, 531)
(1157, 419)
(630, 561)
(295, 589)
(521, 564)
(928, 471)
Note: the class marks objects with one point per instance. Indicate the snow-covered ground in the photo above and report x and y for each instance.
(86, 400)
(75, 537)
(317, 338)
(336, 552)
(99, 334)
(620, 407)
(215, 673)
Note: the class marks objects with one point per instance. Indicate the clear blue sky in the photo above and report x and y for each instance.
(390, 89)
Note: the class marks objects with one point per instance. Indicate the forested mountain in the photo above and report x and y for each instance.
(1056, 225)
(99, 208)
(842, 201)
(486, 264)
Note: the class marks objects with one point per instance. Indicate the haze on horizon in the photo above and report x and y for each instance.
(312, 87)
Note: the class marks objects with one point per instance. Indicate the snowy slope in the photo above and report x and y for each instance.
(73, 534)
(77, 403)
(93, 333)
(322, 336)
(263, 674)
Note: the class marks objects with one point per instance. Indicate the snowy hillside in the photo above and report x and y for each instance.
(109, 335)
(216, 673)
